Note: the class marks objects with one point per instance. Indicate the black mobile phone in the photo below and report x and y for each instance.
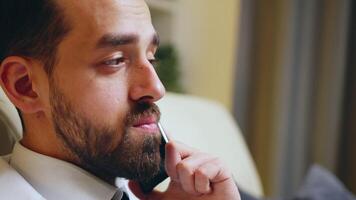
(148, 186)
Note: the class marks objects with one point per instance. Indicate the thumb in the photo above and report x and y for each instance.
(136, 190)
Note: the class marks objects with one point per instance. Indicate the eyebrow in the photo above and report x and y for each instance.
(112, 41)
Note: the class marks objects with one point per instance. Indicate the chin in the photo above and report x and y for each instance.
(137, 157)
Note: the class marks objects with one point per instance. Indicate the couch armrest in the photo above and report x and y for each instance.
(10, 124)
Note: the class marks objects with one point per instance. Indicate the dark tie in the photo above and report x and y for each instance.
(117, 196)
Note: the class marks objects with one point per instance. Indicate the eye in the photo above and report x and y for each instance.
(115, 62)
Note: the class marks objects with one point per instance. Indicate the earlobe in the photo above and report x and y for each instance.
(16, 81)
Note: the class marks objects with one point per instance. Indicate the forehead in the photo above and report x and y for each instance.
(90, 18)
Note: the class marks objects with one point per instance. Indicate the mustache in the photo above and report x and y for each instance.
(140, 110)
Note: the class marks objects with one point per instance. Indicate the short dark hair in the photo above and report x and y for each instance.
(33, 29)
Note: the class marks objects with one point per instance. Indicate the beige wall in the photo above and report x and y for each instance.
(205, 33)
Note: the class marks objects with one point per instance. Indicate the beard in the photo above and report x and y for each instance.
(93, 146)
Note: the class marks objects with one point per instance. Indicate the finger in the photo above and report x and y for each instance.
(186, 171)
(215, 177)
(210, 173)
(202, 182)
(182, 149)
(175, 152)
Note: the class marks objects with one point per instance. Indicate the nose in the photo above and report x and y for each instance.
(145, 84)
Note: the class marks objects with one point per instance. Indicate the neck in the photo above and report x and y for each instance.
(40, 137)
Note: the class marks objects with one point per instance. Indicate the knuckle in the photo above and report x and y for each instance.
(183, 167)
(201, 173)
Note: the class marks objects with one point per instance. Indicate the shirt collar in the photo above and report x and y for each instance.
(57, 179)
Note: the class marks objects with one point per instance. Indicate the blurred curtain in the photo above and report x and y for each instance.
(289, 86)
(347, 164)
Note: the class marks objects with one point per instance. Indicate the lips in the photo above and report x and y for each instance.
(147, 123)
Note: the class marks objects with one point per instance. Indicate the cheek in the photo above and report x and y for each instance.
(105, 105)
(102, 100)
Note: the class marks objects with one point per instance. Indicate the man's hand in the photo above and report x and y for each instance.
(194, 176)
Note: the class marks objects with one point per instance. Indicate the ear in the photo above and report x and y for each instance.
(16, 80)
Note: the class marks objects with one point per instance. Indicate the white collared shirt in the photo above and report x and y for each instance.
(56, 179)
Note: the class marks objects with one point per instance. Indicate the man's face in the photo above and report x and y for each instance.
(103, 88)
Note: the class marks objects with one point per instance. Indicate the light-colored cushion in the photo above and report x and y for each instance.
(10, 124)
(208, 126)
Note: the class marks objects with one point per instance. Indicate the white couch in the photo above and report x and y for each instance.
(198, 122)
